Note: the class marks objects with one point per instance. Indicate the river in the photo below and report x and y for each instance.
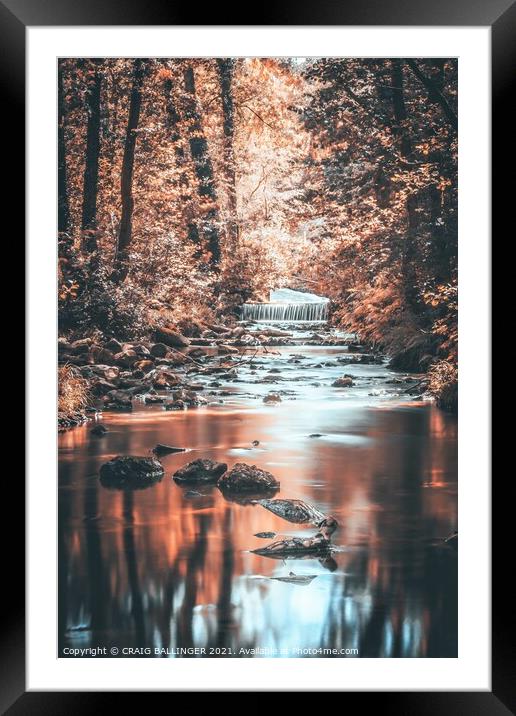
(165, 571)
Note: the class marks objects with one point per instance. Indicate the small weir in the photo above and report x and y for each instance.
(287, 306)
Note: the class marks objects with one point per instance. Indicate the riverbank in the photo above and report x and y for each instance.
(171, 370)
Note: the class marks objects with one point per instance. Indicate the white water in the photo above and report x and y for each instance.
(288, 305)
(285, 312)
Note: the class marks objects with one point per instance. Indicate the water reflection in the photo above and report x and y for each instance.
(170, 569)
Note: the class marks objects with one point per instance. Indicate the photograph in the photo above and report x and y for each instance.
(257, 357)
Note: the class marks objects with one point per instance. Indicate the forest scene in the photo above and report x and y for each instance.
(257, 357)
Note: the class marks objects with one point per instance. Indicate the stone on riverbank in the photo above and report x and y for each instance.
(159, 350)
(171, 338)
(113, 345)
(119, 399)
(126, 358)
(226, 349)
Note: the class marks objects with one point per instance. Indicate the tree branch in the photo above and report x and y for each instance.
(435, 94)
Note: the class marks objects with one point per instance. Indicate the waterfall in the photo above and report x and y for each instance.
(285, 312)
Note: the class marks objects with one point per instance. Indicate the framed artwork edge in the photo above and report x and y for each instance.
(15, 18)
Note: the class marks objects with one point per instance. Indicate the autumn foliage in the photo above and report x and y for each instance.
(226, 178)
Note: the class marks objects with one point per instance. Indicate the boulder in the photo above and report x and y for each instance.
(188, 398)
(126, 358)
(98, 354)
(344, 381)
(133, 385)
(225, 349)
(217, 328)
(101, 387)
(131, 472)
(171, 338)
(190, 327)
(164, 378)
(247, 478)
(113, 345)
(176, 405)
(143, 365)
(80, 346)
(159, 350)
(175, 359)
(202, 470)
(272, 399)
(99, 430)
(107, 372)
(296, 511)
(196, 352)
(119, 398)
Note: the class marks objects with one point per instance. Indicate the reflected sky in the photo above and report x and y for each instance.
(166, 568)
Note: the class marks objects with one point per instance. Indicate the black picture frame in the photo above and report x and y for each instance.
(15, 17)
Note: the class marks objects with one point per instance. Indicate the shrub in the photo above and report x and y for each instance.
(97, 303)
(73, 393)
(444, 384)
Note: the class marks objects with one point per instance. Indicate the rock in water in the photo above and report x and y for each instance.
(131, 472)
(272, 399)
(99, 430)
(317, 544)
(201, 470)
(265, 535)
(296, 578)
(248, 478)
(344, 382)
(294, 511)
(160, 449)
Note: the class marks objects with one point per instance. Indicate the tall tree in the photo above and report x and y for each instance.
(126, 183)
(91, 168)
(203, 166)
(226, 68)
(401, 133)
(63, 213)
(186, 207)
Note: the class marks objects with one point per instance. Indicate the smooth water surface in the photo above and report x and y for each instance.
(167, 569)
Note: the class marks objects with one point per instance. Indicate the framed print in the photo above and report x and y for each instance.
(258, 283)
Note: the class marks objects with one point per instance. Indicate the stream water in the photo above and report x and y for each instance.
(162, 571)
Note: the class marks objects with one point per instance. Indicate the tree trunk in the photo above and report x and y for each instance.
(401, 133)
(435, 95)
(203, 167)
(63, 213)
(126, 183)
(187, 208)
(226, 67)
(91, 169)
